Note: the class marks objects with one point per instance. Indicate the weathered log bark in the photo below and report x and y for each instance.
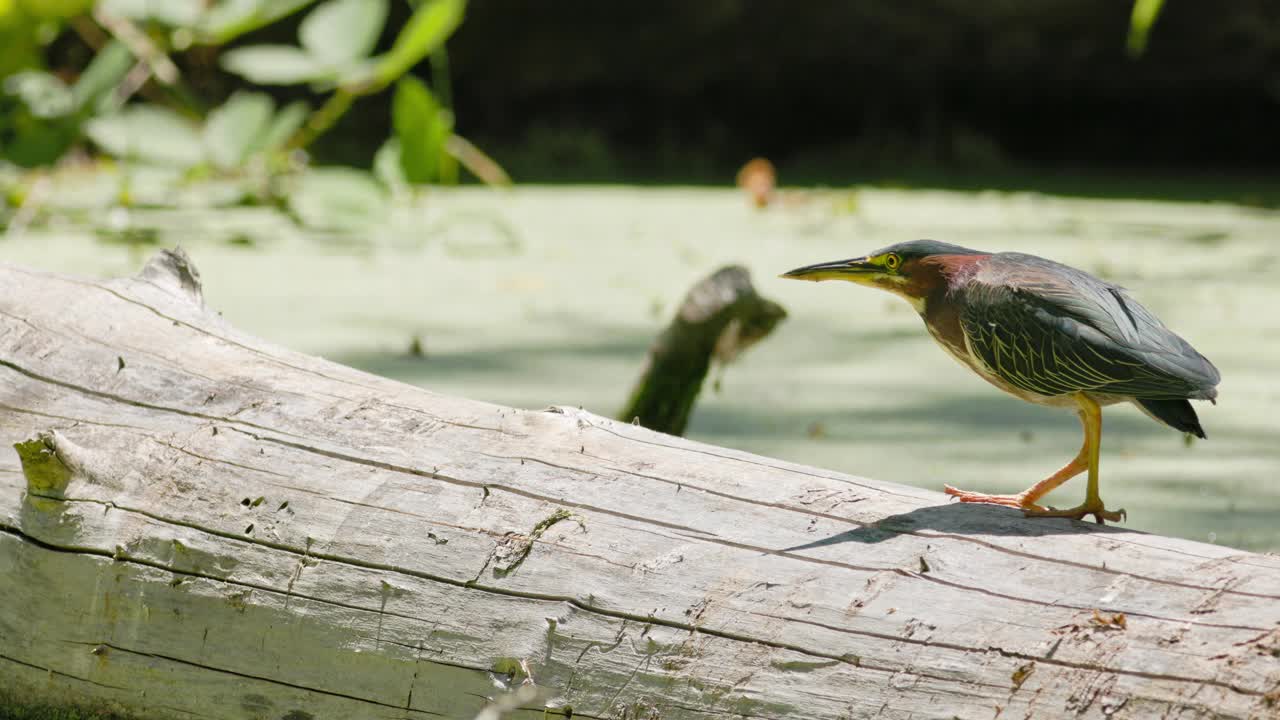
(198, 524)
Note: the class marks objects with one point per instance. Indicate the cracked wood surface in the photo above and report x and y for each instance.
(233, 530)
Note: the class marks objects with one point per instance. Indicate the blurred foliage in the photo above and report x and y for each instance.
(245, 128)
(41, 116)
(132, 103)
(1144, 16)
(640, 90)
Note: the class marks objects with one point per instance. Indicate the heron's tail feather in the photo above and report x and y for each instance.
(1177, 414)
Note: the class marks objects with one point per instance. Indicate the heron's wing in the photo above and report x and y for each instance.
(1051, 329)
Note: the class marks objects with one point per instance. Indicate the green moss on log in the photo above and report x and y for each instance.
(44, 470)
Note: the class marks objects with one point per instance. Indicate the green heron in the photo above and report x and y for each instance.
(1044, 332)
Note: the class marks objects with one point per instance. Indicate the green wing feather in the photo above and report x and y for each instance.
(1050, 329)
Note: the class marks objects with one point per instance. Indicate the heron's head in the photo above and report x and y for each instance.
(913, 270)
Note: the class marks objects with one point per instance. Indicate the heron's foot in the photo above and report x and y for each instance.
(1090, 507)
(1021, 501)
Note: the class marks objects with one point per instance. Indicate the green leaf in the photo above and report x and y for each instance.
(36, 142)
(283, 126)
(432, 23)
(338, 199)
(422, 127)
(274, 65)
(232, 129)
(448, 166)
(104, 73)
(341, 31)
(53, 9)
(230, 19)
(20, 45)
(149, 134)
(39, 128)
(1145, 13)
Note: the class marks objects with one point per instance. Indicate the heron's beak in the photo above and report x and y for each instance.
(854, 269)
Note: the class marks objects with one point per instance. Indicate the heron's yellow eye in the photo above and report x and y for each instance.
(892, 261)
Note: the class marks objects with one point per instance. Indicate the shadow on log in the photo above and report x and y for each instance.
(205, 525)
(720, 317)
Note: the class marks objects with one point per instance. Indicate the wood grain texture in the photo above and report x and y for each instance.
(211, 526)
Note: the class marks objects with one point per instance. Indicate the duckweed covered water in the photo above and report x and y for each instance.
(540, 296)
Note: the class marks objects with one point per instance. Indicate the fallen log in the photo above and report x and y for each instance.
(196, 523)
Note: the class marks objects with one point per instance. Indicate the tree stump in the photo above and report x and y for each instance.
(720, 317)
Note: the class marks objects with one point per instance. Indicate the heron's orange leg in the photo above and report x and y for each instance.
(1025, 500)
(1087, 459)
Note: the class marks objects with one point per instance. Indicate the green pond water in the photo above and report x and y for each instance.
(539, 296)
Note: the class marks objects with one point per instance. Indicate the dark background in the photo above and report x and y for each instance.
(837, 91)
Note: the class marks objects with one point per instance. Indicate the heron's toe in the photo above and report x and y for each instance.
(1014, 501)
(1099, 512)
